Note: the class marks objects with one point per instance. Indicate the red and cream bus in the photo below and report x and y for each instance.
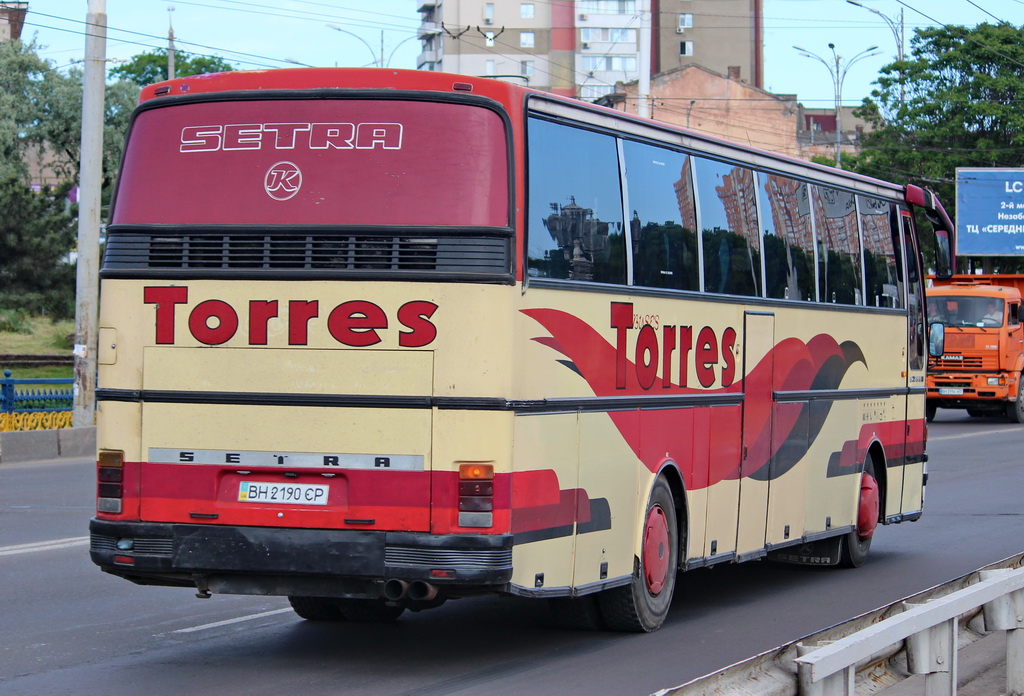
(377, 339)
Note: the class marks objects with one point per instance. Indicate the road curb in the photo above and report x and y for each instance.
(31, 445)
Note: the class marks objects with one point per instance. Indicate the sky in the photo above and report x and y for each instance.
(255, 34)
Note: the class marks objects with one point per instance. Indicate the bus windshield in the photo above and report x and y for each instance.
(956, 310)
(292, 162)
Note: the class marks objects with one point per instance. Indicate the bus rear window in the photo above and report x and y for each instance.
(315, 162)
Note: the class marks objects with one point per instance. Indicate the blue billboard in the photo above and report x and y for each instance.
(990, 212)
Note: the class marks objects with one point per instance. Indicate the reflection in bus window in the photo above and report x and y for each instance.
(664, 220)
(880, 252)
(728, 221)
(839, 266)
(575, 227)
(788, 238)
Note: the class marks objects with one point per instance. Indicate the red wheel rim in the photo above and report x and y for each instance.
(867, 509)
(656, 550)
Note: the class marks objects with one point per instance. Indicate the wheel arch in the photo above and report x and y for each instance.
(876, 455)
(676, 483)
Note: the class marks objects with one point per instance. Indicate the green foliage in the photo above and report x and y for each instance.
(22, 76)
(147, 68)
(36, 235)
(954, 102)
(14, 321)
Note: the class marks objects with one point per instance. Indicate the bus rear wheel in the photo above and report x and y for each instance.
(642, 605)
(855, 545)
(337, 609)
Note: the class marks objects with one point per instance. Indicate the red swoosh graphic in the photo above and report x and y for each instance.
(791, 365)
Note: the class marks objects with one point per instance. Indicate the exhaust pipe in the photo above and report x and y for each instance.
(420, 591)
(395, 589)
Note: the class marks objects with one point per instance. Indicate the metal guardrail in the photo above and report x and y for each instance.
(918, 635)
(930, 631)
(35, 404)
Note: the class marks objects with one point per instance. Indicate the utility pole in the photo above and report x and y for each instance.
(90, 178)
(643, 107)
(170, 44)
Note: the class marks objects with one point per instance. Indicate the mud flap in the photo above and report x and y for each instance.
(824, 552)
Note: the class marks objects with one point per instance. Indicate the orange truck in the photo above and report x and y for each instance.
(980, 367)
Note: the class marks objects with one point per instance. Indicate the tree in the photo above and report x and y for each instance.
(954, 103)
(36, 234)
(21, 85)
(147, 68)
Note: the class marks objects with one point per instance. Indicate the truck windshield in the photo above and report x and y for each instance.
(955, 310)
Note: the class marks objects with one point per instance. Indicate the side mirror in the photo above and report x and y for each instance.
(936, 339)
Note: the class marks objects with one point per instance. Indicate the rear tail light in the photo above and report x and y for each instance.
(109, 481)
(476, 495)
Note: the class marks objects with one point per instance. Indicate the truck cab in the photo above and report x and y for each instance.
(980, 367)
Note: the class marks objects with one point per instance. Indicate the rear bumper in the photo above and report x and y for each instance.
(279, 561)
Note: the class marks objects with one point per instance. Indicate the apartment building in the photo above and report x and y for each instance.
(581, 48)
(12, 19)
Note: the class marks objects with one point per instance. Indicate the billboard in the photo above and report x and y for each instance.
(990, 212)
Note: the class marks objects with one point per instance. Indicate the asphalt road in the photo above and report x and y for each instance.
(67, 628)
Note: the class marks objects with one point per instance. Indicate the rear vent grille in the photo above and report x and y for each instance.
(206, 254)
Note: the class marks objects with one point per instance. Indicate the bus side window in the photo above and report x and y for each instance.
(840, 277)
(880, 253)
(664, 220)
(730, 239)
(788, 240)
(575, 229)
(915, 294)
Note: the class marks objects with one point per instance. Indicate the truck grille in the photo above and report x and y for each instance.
(969, 362)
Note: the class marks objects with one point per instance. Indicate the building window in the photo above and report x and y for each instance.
(526, 10)
(526, 39)
(685, 21)
(595, 91)
(526, 67)
(489, 39)
(686, 48)
(620, 63)
(606, 34)
(489, 12)
(489, 67)
(607, 6)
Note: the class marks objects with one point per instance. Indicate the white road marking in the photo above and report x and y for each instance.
(974, 433)
(228, 622)
(44, 546)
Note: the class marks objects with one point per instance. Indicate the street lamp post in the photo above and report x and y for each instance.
(838, 69)
(373, 55)
(897, 33)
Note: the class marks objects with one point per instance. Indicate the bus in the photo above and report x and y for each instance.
(376, 339)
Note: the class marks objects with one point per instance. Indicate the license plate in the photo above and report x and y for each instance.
(950, 391)
(285, 493)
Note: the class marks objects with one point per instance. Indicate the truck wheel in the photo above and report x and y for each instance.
(929, 411)
(853, 551)
(642, 605)
(1015, 408)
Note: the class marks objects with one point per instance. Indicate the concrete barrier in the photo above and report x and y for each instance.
(32, 445)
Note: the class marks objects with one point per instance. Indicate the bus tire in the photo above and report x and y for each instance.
(854, 547)
(316, 608)
(368, 610)
(643, 604)
(1015, 408)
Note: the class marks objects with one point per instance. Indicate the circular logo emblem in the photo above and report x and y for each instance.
(283, 180)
